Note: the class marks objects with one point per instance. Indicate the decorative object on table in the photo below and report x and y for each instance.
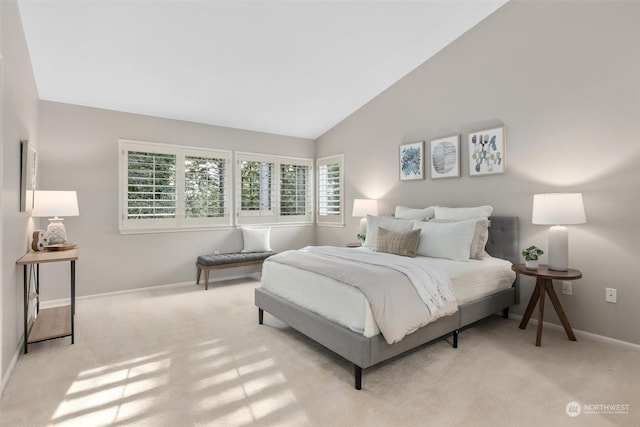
(27, 175)
(54, 205)
(362, 208)
(487, 152)
(558, 210)
(39, 241)
(445, 157)
(61, 247)
(412, 161)
(531, 255)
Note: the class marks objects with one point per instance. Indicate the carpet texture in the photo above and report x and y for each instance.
(182, 356)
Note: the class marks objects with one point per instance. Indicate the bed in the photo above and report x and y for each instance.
(362, 345)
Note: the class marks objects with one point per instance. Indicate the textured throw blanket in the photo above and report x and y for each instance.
(404, 294)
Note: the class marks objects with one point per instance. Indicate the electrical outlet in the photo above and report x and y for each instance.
(566, 288)
(611, 295)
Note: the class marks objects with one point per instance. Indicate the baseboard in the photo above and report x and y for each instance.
(12, 366)
(578, 332)
(66, 301)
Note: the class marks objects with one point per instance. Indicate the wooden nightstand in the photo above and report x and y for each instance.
(544, 282)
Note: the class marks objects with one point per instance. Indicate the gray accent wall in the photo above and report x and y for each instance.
(79, 151)
(563, 77)
(19, 121)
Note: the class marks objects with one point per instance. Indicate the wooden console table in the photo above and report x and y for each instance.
(54, 322)
(544, 282)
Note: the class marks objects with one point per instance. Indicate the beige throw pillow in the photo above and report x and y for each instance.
(393, 242)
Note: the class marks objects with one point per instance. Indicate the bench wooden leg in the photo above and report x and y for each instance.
(198, 276)
(206, 280)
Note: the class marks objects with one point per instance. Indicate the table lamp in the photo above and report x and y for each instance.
(55, 204)
(362, 208)
(558, 210)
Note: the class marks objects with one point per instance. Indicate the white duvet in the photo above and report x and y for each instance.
(347, 306)
(404, 295)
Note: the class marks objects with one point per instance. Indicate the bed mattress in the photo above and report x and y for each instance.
(347, 306)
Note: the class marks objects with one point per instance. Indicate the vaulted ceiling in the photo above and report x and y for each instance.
(287, 67)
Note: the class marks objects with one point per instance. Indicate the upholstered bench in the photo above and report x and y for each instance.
(231, 260)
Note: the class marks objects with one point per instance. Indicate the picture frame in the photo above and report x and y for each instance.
(411, 161)
(487, 152)
(445, 157)
(28, 170)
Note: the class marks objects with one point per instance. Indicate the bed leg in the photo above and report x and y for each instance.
(505, 313)
(260, 316)
(455, 338)
(357, 373)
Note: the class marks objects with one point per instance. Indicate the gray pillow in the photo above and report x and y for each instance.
(398, 243)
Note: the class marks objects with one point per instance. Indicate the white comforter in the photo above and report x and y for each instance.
(432, 284)
(390, 283)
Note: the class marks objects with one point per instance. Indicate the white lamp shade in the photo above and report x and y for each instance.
(558, 208)
(364, 207)
(55, 204)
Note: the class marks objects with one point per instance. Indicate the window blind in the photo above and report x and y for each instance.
(151, 183)
(294, 190)
(330, 193)
(205, 182)
(166, 187)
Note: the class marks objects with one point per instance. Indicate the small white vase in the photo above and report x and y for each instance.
(531, 264)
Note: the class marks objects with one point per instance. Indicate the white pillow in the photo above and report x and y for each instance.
(480, 236)
(410, 213)
(389, 224)
(256, 239)
(451, 240)
(463, 213)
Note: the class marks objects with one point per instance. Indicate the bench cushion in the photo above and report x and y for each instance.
(232, 258)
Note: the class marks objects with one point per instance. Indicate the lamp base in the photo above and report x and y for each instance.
(363, 225)
(558, 248)
(56, 233)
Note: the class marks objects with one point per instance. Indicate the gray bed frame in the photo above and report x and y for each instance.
(366, 352)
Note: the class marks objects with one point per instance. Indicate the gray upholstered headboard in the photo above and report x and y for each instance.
(504, 238)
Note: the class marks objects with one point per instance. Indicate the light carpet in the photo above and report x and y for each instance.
(183, 356)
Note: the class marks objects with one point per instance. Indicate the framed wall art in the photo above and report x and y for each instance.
(445, 157)
(28, 169)
(412, 161)
(487, 152)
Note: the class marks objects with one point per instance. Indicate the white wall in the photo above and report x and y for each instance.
(563, 77)
(78, 149)
(19, 121)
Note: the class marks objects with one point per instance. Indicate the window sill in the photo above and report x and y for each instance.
(216, 228)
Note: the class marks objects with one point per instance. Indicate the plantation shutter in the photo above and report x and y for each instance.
(151, 181)
(295, 192)
(168, 187)
(150, 195)
(206, 183)
(330, 190)
(273, 189)
(256, 189)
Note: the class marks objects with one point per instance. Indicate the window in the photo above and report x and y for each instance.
(166, 187)
(330, 193)
(273, 189)
(294, 190)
